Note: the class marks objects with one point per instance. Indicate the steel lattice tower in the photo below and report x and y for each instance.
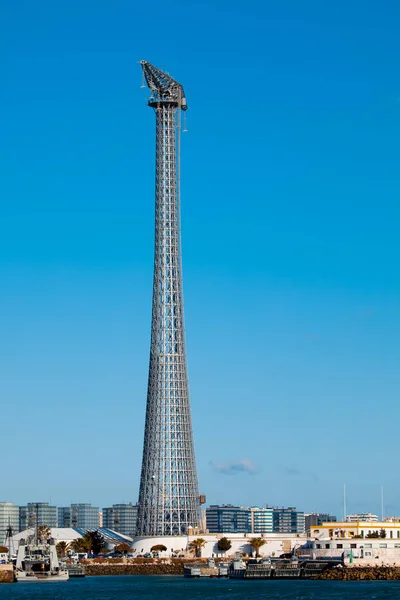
(169, 496)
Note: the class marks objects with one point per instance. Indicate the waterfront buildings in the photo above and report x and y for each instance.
(355, 518)
(121, 518)
(40, 513)
(262, 520)
(226, 518)
(360, 552)
(356, 529)
(84, 516)
(288, 520)
(314, 519)
(9, 517)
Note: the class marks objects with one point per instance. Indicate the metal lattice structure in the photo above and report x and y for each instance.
(169, 496)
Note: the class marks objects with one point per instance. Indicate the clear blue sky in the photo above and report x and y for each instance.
(290, 217)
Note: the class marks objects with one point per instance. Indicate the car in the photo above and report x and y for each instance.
(148, 555)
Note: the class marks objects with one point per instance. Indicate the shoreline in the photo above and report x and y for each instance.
(175, 567)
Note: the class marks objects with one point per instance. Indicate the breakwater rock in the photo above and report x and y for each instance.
(6, 574)
(384, 572)
(134, 567)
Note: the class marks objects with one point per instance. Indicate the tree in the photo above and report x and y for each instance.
(196, 546)
(80, 545)
(94, 540)
(44, 533)
(372, 534)
(122, 548)
(158, 548)
(62, 548)
(224, 545)
(382, 533)
(257, 543)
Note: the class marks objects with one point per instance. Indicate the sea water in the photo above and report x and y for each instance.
(160, 587)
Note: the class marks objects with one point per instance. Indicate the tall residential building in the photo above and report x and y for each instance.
(262, 520)
(37, 512)
(9, 517)
(226, 518)
(121, 518)
(315, 519)
(83, 516)
(288, 520)
(168, 496)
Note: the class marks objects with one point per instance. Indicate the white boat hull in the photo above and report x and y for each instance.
(38, 578)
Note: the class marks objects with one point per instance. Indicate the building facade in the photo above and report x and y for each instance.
(84, 516)
(357, 529)
(9, 517)
(355, 518)
(262, 520)
(121, 518)
(315, 519)
(37, 513)
(288, 520)
(226, 518)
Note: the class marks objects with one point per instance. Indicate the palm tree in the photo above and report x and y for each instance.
(44, 533)
(62, 548)
(80, 545)
(196, 546)
(257, 543)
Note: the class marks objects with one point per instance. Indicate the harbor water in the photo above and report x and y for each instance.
(157, 587)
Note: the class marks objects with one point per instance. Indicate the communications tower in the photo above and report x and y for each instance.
(168, 496)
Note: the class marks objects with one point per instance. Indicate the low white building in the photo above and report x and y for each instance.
(355, 529)
(359, 552)
(355, 518)
(276, 544)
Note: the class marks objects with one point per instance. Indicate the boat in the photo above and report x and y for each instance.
(38, 562)
(267, 568)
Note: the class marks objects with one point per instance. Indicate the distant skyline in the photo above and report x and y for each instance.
(290, 215)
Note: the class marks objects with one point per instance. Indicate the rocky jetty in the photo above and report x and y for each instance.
(367, 573)
(6, 574)
(135, 566)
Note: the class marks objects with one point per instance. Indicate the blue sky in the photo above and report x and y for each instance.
(290, 214)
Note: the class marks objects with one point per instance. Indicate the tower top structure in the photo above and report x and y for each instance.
(164, 89)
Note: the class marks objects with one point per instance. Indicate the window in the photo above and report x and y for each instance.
(397, 545)
(368, 554)
(327, 545)
(382, 545)
(318, 546)
(368, 545)
(391, 533)
(339, 545)
(353, 545)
